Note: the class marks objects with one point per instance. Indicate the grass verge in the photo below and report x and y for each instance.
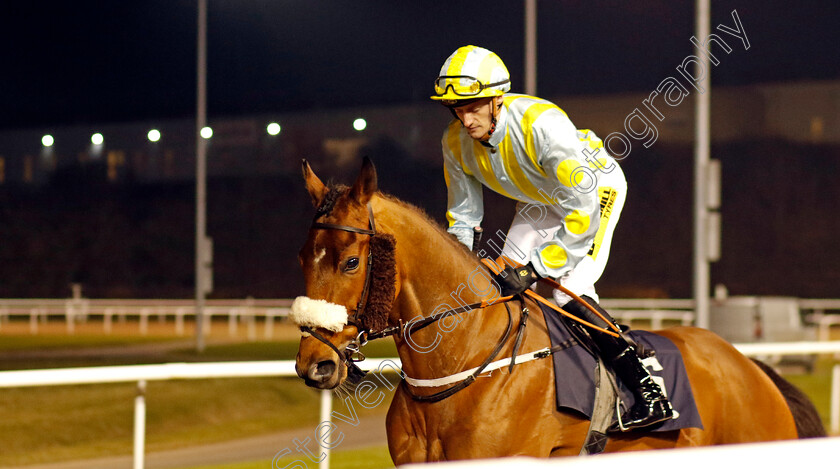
(376, 457)
(62, 423)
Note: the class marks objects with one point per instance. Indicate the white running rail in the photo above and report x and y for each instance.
(141, 374)
(247, 311)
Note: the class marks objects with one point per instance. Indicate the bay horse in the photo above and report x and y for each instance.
(425, 270)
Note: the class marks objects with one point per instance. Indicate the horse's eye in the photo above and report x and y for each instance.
(351, 264)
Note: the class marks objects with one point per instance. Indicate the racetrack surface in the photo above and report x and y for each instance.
(369, 432)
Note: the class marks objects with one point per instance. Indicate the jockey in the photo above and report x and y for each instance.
(570, 193)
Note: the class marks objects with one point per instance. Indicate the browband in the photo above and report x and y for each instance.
(352, 229)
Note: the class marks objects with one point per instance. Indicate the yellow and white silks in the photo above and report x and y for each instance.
(564, 221)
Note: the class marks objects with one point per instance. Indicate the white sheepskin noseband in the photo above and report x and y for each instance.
(318, 313)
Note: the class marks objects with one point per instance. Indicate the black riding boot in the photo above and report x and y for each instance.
(651, 406)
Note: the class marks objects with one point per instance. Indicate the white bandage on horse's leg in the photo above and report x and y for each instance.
(308, 312)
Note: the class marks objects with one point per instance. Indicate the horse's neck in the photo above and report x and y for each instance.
(436, 275)
(430, 264)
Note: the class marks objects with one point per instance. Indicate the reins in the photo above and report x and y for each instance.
(352, 354)
(463, 382)
(467, 378)
(554, 284)
(413, 327)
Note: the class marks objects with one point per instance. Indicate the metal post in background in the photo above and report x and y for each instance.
(200, 178)
(531, 47)
(713, 216)
(701, 161)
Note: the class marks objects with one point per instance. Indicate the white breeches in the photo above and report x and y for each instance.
(525, 235)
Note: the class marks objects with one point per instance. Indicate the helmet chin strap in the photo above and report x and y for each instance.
(494, 114)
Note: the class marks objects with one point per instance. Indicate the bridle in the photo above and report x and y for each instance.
(371, 231)
(352, 352)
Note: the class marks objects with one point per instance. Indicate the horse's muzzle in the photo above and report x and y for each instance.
(321, 375)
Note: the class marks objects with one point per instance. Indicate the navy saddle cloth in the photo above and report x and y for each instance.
(574, 372)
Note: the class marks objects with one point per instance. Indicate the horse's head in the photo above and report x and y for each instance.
(349, 274)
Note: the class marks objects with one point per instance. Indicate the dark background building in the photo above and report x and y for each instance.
(119, 217)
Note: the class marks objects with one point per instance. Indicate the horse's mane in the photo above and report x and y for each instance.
(336, 191)
(383, 250)
(434, 224)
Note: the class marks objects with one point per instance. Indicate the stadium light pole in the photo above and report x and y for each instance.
(201, 245)
(701, 165)
(531, 47)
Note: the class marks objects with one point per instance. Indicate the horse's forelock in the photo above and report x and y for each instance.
(327, 204)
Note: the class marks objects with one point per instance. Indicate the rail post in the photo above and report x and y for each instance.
(233, 321)
(107, 318)
(179, 321)
(33, 321)
(140, 425)
(326, 410)
(144, 320)
(269, 324)
(835, 399)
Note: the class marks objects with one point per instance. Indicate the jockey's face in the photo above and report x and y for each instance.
(477, 116)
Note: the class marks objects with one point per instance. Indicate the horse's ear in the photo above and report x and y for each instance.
(365, 184)
(317, 190)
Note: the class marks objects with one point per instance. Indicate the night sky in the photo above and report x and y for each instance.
(113, 61)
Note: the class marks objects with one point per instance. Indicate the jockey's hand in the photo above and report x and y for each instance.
(515, 280)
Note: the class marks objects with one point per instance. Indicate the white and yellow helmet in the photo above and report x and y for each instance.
(470, 73)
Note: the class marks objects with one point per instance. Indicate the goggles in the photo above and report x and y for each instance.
(463, 85)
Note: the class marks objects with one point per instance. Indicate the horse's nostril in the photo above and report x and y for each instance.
(326, 368)
(322, 370)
